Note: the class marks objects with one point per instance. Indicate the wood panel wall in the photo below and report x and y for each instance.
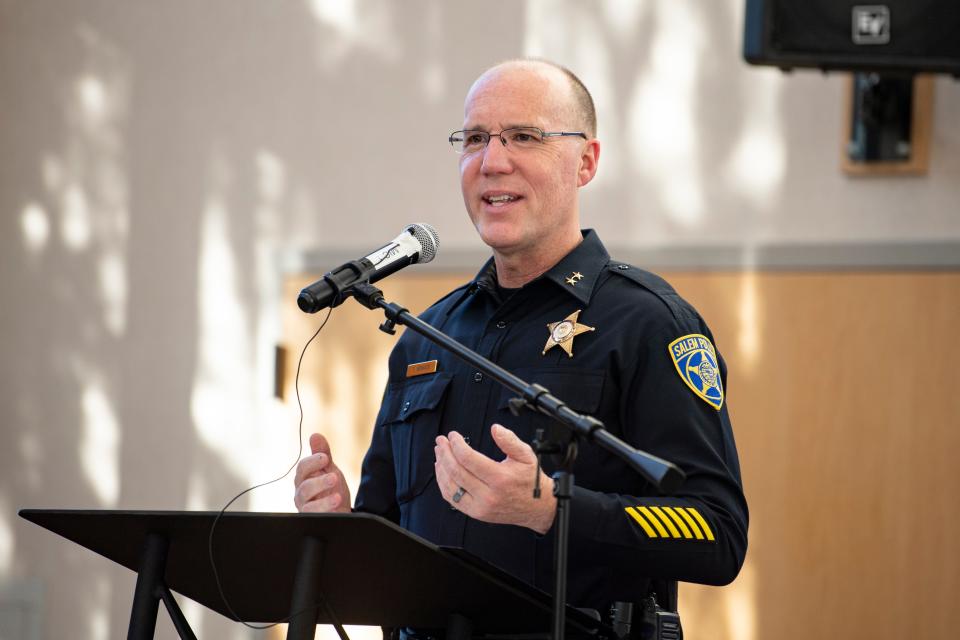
(844, 390)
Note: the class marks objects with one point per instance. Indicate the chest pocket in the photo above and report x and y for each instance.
(580, 389)
(413, 414)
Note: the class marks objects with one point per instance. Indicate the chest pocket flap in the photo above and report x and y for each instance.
(412, 411)
(405, 399)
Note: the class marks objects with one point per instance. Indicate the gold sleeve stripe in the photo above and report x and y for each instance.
(666, 521)
(643, 523)
(673, 516)
(703, 523)
(654, 521)
(693, 525)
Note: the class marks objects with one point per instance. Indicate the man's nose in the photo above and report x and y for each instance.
(496, 157)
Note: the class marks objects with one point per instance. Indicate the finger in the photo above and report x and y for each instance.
(470, 459)
(448, 468)
(449, 489)
(325, 504)
(313, 488)
(440, 469)
(453, 471)
(313, 463)
(310, 466)
(512, 445)
(319, 444)
(444, 483)
(306, 491)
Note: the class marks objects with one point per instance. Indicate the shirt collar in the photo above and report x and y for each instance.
(576, 273)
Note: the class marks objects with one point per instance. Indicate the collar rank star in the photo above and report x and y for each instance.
(562, 333)
(574, 278)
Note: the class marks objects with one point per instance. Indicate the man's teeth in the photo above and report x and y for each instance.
(500, 200)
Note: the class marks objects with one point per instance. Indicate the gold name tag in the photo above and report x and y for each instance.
(421, 368)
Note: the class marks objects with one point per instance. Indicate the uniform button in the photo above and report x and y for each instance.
(623, 267)
(478, 377)
(501, 325)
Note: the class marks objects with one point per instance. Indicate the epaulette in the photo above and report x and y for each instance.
(656, 285)
(450, 294)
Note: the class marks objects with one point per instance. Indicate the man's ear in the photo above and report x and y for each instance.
(588, 162)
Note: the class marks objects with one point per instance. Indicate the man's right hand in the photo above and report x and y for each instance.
(319, 484)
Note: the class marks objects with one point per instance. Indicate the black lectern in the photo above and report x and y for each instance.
(362, 568)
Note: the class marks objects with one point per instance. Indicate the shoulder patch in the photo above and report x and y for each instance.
(696, 361)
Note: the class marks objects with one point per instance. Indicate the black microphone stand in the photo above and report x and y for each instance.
(664, 475)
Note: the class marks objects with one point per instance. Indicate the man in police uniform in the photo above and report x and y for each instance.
(448, 460)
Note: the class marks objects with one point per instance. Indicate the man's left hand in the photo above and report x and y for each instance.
(499, 492)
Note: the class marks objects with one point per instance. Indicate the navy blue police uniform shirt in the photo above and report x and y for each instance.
(643, 362)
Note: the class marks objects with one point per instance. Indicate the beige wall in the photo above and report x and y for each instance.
(157, 160)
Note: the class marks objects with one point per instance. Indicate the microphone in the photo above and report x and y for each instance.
(417, 243)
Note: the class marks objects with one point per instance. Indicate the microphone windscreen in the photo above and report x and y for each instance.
(427, 236)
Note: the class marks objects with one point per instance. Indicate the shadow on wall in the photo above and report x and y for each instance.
(686, 133)
(154, 158)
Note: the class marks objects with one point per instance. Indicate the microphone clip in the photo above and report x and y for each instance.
(372, 298)
(336, 280)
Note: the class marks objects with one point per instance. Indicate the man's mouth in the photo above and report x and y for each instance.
(500, 199)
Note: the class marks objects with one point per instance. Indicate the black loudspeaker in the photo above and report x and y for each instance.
(886, 36)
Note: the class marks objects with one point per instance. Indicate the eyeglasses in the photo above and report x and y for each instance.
(519, 138)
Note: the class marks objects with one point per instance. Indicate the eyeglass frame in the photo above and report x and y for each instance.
(503, 141)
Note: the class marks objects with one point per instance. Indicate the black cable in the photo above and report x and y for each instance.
(213, 564)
